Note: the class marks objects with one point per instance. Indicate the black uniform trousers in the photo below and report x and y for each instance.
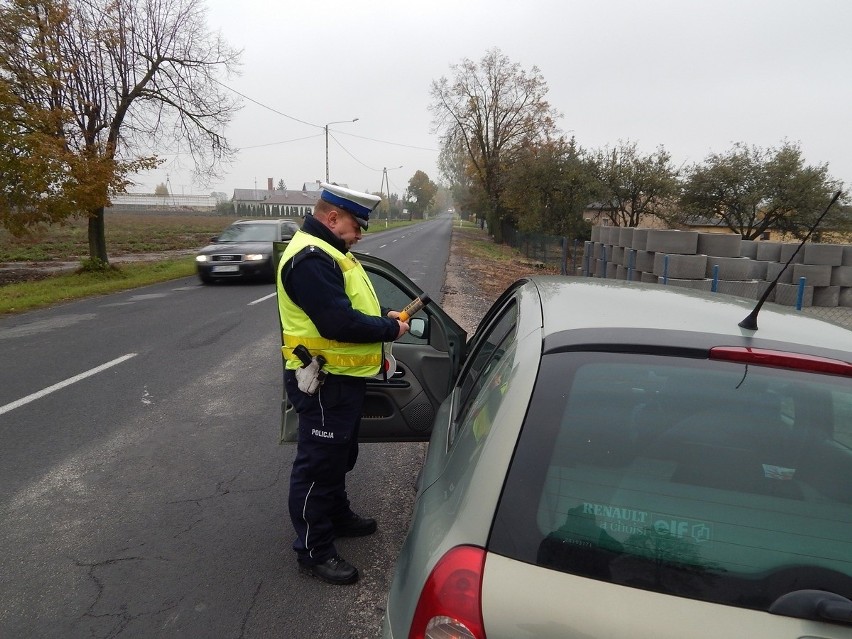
(327, 450)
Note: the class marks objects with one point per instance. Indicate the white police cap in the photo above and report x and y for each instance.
(358, 204)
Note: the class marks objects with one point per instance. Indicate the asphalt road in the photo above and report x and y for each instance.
(144, 492)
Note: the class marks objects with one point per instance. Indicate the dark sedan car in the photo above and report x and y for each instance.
(243, 250)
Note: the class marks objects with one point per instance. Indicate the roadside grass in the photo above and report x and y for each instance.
(27, 296)
(482, 246)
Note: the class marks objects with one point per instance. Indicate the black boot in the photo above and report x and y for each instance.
(334, 571)
(354, 526)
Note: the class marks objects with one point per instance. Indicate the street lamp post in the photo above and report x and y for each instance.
(326, 141)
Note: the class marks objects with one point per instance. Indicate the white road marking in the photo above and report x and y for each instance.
(71, 380)
(148, 296)
(258, 301)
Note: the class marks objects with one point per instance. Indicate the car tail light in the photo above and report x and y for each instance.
(450, 605)
(782, 359)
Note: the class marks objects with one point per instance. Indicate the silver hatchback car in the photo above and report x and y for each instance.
(623, 460)
(612, 459)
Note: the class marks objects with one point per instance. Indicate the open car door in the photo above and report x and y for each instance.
(401, 406)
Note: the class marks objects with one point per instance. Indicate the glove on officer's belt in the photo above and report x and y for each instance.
(311, 375)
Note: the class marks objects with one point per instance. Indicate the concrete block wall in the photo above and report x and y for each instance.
(740, 267)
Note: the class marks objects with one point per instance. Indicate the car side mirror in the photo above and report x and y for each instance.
(417, 327)
(214, 239)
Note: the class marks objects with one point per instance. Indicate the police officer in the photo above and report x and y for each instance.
(327, 304)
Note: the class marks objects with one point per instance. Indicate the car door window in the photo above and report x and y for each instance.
(288, 229)
(392, 297)
(484, 404)
(488, 351)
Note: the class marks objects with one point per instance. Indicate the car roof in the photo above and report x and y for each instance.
(580, 304)
(267, 221)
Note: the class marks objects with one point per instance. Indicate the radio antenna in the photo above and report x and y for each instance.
(750, 322)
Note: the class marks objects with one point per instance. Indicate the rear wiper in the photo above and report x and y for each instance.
(818, 605)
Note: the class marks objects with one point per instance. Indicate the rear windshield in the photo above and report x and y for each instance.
(710, 480)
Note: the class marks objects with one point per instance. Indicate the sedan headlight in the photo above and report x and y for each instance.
(201, 258)
(255, 257)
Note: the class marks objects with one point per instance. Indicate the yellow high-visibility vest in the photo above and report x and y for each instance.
(342, 358)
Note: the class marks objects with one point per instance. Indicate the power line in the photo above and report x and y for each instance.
(319, 126)
(407, 146)
(257, 146)
(351, 155)
(265, 106)
(401, 191)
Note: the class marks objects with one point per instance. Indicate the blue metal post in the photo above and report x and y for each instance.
(665, 269)
(603, 255)
(800, 294)
(631, 264)
(715, 286)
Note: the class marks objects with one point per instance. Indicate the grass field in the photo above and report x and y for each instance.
(126, 233)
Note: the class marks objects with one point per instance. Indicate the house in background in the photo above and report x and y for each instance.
(704, 224)
(601, 214)
(272, 202)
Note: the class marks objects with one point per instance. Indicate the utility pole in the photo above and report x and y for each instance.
(326, 142)
(381, 190)
(386, 183)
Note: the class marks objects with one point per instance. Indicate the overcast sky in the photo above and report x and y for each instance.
(693, 76)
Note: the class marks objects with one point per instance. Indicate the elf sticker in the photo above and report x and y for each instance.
(683, 529)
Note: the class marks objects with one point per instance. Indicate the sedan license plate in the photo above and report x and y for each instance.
(225, 268)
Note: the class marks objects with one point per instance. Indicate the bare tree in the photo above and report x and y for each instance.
(123, 78)
(491, 109)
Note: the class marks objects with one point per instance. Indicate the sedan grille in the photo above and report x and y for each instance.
(227, 258)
